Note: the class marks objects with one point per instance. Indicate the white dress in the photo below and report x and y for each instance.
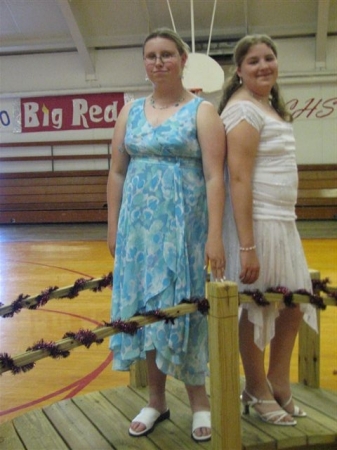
(278, 244)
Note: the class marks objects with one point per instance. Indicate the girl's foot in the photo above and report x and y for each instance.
(268, 410)
(285, 400)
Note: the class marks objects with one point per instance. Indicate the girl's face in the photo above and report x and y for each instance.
(259, 68)
(162, 60)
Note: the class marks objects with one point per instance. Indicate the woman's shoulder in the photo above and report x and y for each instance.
(239, 110)
(132, 106)
(200, 109)
(207, 112)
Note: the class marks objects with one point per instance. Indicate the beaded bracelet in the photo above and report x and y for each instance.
(247, 249)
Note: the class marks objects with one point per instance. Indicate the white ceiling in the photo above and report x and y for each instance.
(30, 26)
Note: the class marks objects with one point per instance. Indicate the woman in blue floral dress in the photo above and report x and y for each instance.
(165, 197)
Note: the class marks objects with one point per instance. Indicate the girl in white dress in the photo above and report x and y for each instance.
(262, 242)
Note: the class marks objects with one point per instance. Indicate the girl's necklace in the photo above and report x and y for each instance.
(176, 104)
(260, 100)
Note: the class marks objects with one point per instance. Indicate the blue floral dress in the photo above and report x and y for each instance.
(160, 244)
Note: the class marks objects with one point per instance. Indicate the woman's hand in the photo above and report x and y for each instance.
(215, 256)
(112, 241)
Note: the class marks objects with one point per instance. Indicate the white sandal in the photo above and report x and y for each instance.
(149, 417)
(273, 417)
(201, 419)
(297, 412)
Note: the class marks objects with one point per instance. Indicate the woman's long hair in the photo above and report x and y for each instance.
(240, 51)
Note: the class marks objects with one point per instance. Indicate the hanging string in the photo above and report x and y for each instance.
(146, 10)
(211, 29)
(192, 27)
(192, 24)
(170, 11)
(246, 16)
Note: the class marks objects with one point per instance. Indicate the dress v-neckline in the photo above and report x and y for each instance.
(168, 118)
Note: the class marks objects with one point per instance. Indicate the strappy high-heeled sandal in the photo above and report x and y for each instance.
(272, 417)
(297, 412)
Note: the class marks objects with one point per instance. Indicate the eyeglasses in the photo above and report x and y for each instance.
(164, 57)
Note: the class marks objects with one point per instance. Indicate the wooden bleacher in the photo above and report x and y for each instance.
(317, 192)
(80, 196)
(53, 197)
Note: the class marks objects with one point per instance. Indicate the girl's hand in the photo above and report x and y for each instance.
(250, 267)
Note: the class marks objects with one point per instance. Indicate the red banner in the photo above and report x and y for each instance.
(70, 112)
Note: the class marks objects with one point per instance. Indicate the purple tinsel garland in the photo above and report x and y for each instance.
(88, 337)
(45, 295)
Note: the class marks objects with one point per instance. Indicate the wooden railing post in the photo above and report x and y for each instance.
(224, 366)
(309, 350)
(138, 374)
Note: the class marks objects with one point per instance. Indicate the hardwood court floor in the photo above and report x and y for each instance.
(35, 258)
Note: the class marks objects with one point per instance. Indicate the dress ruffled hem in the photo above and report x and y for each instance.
(282, 263)
(188, 365)
(263, 318)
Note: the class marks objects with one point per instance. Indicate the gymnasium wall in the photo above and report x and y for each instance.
(310, 91)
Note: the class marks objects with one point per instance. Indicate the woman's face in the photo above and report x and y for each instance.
(259, 68)
(162, 60)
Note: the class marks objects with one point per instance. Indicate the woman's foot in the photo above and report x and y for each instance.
(201, 428)
(285, 399)
(267, 409)
(146, 420)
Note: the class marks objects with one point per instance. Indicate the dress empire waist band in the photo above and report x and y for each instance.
(183, 162)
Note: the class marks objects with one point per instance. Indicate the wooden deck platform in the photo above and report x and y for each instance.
(100, 420)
